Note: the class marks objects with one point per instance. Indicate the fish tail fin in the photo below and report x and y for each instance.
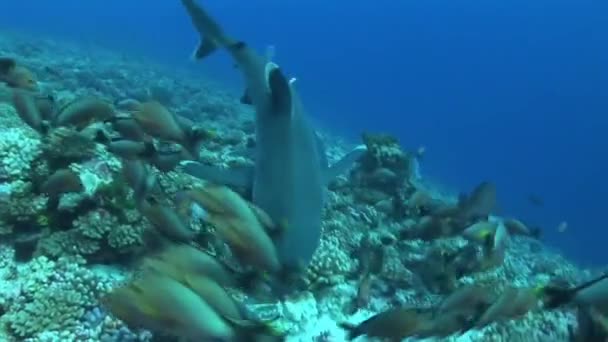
(554, 296)
(205, 48)
(195, 138)
(352, 330)
(249, 280)
(52, 203)
(198, 134)
(271, 328)
(487, 242)
(149, 150)
(45, 127)
(101, 137)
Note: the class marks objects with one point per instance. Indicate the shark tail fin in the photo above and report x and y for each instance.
(205, 48)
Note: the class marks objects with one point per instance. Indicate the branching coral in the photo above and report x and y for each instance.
(91, 236)
(64, 146)
(18, 149)
(70, 242)
(330, 264)
(125, 237)
(54, 297)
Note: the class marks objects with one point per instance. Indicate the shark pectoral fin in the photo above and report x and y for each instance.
(204, 49)
(345, 163)
(280, 89)
(237, 177)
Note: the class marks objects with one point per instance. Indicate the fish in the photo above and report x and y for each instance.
(128, 128)
(203, 282)
(46, 106)
(166, 161)
(144, 150)
(600, 319)
(590, 324)
(290, 175)
(562, 227)
(501, 238)
(17, 76)
(479, 231)
(420, 200)
(512, 303)
(197, 135)
(445, 324)
(517, 227)
(536, 200)
(238, 225)
(82, 112)
(394, 324)
(157, 121)
(160, 303)
(28, 110)
(207, 288)
(214, 294)
(130, 149)
(468, 299)
(364, 289)
(431, 227)
(480, 203)
(591, 293)
(188, 259)
(494, 248)
(138, 176)
(165, 219)
(263, 217)
(60, 182)
(249, 330)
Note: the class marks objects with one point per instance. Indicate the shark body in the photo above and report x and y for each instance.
(291, 173)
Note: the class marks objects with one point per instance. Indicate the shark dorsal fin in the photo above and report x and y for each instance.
(280, 89)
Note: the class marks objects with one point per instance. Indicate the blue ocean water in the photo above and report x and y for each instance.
(515, 92)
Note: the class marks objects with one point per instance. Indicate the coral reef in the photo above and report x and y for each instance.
(59, 256)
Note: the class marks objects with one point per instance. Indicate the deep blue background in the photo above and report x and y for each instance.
(511, 91)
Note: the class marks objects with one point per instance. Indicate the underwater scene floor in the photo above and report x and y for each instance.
(105, 237)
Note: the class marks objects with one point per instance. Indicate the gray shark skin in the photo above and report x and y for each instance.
(291, 173)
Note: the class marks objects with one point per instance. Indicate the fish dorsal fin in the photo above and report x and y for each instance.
(280, 89)
(205, 48)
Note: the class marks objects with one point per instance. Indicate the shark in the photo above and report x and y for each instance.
(291, 170)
